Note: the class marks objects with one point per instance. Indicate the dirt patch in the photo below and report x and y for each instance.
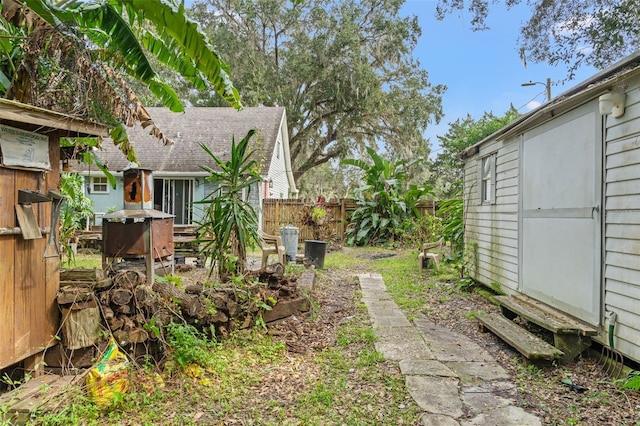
(594, 398)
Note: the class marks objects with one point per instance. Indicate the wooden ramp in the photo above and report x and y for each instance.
(24, 403)
(570, 336)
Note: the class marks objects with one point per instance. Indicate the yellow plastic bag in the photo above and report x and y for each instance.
(109, 377)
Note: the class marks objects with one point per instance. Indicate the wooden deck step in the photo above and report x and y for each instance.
(528, 344)
(29, 398)
(543, 315)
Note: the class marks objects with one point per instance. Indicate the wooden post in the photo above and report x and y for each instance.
(276, 216)
(343, 219)
(34, 364)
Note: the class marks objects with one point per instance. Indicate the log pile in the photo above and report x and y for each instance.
(135, 312)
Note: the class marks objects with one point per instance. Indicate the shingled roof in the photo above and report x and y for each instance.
(214, 127)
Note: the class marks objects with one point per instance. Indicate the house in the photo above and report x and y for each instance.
(178, 178)
(552, 205)
(29, 260)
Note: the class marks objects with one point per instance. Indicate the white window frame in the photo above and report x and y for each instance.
(487, 179)
(99, 185)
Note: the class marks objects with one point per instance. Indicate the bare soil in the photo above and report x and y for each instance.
(591, 398)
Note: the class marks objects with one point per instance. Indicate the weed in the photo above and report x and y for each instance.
(632, 381)
(471, 315)
(497, 288)
(188, 345)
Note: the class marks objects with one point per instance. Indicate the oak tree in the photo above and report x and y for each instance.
(344, 70)
(573, 32)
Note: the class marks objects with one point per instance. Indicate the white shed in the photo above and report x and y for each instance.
(552, 204)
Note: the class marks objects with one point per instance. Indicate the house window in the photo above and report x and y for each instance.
(278, 150)
(99, 185)
(487, 174)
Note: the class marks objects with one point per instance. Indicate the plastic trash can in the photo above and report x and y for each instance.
(289, 235)
(314, 250)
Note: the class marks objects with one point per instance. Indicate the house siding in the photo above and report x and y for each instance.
(105, 203)
(622, 224)
(491, 230)
(278, 171)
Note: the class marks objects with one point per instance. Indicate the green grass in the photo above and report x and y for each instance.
(88, 261)
(405, 283)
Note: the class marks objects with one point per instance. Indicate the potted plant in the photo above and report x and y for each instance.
(318, 215)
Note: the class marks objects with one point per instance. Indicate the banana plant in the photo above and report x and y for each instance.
(386, 201)
(64, 44)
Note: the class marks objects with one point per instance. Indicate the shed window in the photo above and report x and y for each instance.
(487, 174)
(99, 185)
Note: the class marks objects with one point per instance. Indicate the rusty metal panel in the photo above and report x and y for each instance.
(124, 239)
(162, 237)
(138, 189)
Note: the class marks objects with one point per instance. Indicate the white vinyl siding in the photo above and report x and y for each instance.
(622, 225)
(279, 187)
(492, 226)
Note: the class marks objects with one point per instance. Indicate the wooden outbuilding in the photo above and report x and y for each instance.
(29, 265)
(552, 206)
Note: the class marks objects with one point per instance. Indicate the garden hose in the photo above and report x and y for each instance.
(612, 325)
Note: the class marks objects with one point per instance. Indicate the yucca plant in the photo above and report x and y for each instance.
(230, 222)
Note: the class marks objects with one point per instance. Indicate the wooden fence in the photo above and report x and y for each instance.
(277, 213)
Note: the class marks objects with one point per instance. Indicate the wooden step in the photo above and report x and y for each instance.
(543, 315)
(528, 344)
(28, 399)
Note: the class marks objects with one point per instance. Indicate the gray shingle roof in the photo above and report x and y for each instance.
(213, 127)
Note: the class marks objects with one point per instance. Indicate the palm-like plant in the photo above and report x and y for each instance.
(385, 202)
(71, 55)
(230, 222)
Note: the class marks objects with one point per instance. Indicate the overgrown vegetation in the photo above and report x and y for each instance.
(386, 201)
(74, 214)
(72, 57)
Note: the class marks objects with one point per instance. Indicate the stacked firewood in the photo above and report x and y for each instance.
(134, 312)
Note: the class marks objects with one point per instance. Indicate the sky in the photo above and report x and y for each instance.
(482, 69)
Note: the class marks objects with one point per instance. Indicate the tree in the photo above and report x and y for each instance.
(573, 32)
(344, 70)
(447, 169)
(71, 56)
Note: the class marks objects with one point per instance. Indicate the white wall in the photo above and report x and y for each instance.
(492, 229)
(622, 223)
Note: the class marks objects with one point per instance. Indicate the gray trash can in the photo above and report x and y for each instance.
(315, 250)
(289, 235)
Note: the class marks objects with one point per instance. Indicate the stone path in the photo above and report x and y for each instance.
(451, 378)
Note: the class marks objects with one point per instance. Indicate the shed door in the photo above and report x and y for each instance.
(561, 193)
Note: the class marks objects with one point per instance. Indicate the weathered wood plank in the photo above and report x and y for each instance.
(37, 393)
(22, 113)
(544, 316)
(81, 274)
(528, 344)
(7, 267)
(27, 274)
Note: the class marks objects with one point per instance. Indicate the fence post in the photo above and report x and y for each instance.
(343, 220)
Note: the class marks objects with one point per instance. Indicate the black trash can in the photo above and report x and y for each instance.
(314, 250)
